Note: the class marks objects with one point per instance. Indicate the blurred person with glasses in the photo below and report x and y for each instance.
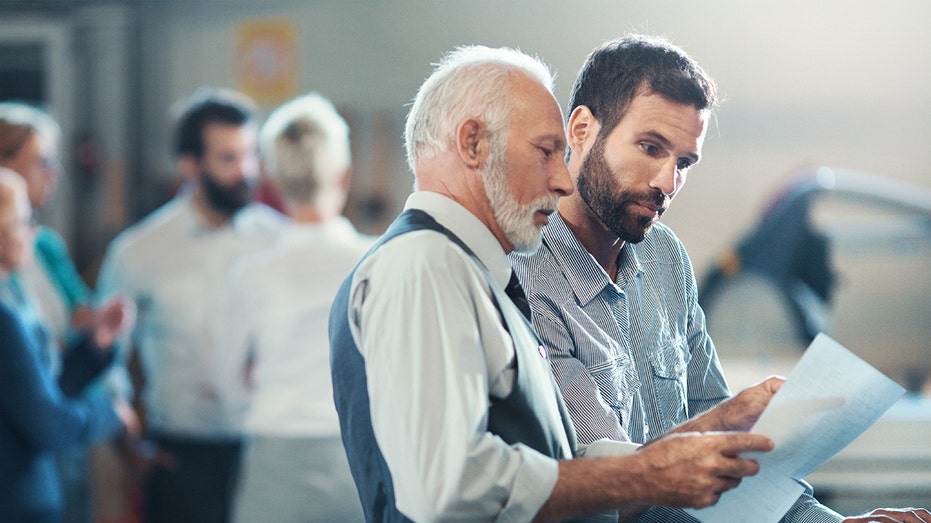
(39, 414)
(49, 293)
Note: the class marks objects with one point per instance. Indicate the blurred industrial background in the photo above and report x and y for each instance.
(837, 83)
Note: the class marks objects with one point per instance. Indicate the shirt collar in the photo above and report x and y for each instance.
(586, 277)
(628, 264)
(468, 228)
(307, 232)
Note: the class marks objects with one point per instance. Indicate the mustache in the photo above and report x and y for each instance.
(655, 200)
(548, 203)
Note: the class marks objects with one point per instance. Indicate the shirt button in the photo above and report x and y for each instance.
(620, 396)
(646, 429)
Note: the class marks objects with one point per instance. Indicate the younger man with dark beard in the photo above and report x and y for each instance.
(172, 264)
(612, 290)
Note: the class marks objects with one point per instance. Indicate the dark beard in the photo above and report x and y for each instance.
(226, 200)
(599, 189)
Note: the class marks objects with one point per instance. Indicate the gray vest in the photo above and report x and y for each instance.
(519, 418)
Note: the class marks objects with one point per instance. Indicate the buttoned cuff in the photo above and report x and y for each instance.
(607, 447)
(533, 486)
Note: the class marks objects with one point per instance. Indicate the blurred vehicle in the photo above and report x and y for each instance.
(847, 253)
(838, 251)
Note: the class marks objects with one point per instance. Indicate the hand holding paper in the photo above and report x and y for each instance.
(830, 398)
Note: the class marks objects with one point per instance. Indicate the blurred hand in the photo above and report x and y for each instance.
(893, 515)
(112, 319)
(82, 317)
(693, 470)
(739, 413)
(127, 415)
(144, 455)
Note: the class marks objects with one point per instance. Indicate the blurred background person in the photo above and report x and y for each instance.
(49, 294)
(172, 264)
(29, 143)
(37, 419)
(278, 304)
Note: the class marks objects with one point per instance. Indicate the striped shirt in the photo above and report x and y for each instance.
(632, 356)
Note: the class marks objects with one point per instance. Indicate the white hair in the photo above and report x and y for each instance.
(18, 121)
(471, 81)
(305, 146)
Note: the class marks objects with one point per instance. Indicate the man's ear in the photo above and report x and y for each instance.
(188, 166)
(581, 130)
(472, 142)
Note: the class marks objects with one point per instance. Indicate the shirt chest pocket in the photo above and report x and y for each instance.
(608, 362)
(613, 372)
(669, 363)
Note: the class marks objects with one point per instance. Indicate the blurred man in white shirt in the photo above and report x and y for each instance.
(173, 264)
(277, 304)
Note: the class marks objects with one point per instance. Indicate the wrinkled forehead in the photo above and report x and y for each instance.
(534, 109)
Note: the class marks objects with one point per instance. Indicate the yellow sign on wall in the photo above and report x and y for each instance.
(266, 60)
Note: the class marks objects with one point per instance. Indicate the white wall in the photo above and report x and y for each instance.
(841, 82)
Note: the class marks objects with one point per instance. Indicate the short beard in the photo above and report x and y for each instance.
(601, 192)
(226, 200)
(515, 220)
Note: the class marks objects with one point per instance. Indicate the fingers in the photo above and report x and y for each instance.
(128, 417)
(772, 383)
(733, 443)
(146, 455)
(729, 444)
(710, 496)
(694, 469)
(698, 468)
(739, 467)
(727, 483)
(907, 515)
(82, 317)
(111, 320)
(883, 515)
(744, 409)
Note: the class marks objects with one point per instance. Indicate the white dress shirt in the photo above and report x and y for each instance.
(277, 306)
(173, 266)
(435, 351)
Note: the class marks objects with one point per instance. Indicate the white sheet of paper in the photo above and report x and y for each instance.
(829, 398)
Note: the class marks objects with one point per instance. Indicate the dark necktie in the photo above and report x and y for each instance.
(517, 295)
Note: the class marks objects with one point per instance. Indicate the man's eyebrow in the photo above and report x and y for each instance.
(656, 135)
(556, 138)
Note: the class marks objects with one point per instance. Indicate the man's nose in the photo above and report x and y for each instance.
(561, 182)
(668, 179)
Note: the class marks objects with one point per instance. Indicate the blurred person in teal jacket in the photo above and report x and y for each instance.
(37, 418)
